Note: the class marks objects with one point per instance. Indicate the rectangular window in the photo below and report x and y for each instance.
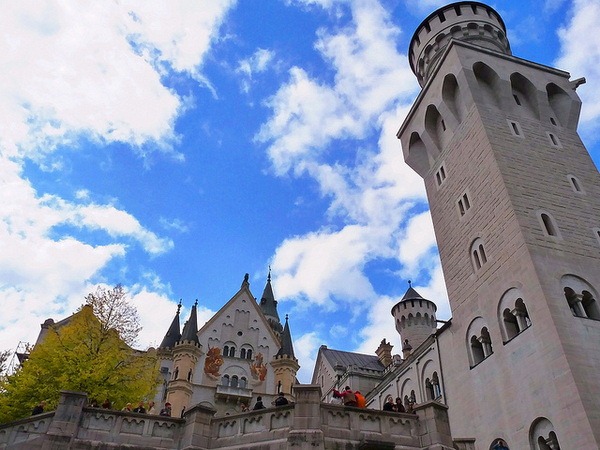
(463, 204)
(440, 175)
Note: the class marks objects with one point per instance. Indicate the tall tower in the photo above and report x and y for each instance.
(186, 353)
(285, 364)
(515, 202)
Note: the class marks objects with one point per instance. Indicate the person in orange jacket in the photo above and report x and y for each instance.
(361, 401)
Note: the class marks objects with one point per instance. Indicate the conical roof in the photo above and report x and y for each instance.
(173, 334)
(287, 347)
(190, 329)
(268, 304)
(411, 294)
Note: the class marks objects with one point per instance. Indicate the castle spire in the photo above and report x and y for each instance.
(287, 347)
(268, 305)
(190, 329)
(173, 334)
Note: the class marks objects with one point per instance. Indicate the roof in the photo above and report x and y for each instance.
(173, 333)
(339, 357)
(287, 348)
(190, 329)
(268, 304)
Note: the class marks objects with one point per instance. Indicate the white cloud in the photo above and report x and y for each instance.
(580, 54)
(372, 195)
(305, 349)
(259, 62)
(92, 71)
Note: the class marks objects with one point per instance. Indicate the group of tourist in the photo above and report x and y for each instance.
(350, 397)
(279, 401)
(389, 405)
(141, 408)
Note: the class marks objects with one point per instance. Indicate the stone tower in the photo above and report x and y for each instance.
(415, 318)
(285, 364)
(515, 202)
(186, 353)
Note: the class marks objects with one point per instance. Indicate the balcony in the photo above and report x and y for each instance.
(234, 393)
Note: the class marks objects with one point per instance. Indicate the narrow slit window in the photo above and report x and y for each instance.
(482, 254)
(515, 128)
(443, 126)
(548, 225)
(516, 97)
(575, 184)
(552, 121)
(554, 140)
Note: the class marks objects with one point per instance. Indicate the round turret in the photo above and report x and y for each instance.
(415, 318)
(472, 22)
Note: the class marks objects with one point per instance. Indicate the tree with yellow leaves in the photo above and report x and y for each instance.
(91, 353)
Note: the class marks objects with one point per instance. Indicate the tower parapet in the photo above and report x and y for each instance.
(415, 318)
(465, 21)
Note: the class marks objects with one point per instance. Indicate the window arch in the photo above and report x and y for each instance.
(246, 352)
(597, 234)
(512, 314)
(478, 254)
(243, 353)
(575, 184)
(429, 389)
(549, 226)
(499, 444)
(229, 349)
(542, 435)
(225, 380)
(479, 342)
(234, 381)
(437, 390)
(581, 297)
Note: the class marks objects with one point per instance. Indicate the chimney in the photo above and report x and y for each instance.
(384, 353)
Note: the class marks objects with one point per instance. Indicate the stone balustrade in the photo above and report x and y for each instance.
(306, 424)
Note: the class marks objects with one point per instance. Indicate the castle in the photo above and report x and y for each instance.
(515, 202)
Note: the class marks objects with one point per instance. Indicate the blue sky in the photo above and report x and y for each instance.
(174, 146)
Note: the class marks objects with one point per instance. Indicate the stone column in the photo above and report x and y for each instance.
(434, 427)
(63, 428)
(197, 429)
(306, 432)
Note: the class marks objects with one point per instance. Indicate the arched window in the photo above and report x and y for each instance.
(549, 227)
(437, 390)
(479, 341)
(226, 350)
(499, 444)
(225, 380)
(243, 353)
(429, 389)
(243, 382)
(582, 305)
(176, 373)
(234, 381)
(232, 352)
(478, 254)
(249, 354)
(513, 314)
(190, 374)
(542, 435)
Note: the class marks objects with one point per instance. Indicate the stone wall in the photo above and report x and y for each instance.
(306, 424)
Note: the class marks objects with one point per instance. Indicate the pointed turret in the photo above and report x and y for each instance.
(268, 305)
(190, 329)
(415, 318)
(287, 347)
(173, 334)
(285, 364)
(186, 353)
